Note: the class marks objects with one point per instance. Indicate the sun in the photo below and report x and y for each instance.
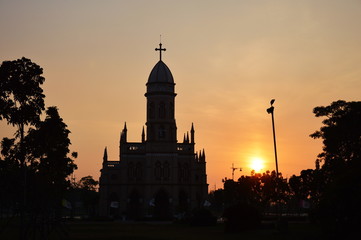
(257, 164)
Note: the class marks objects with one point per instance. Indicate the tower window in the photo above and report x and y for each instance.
(161, 110)
(151, 110)
(171, 110)
(161, 132)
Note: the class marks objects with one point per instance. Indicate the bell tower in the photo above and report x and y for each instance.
(161, 125)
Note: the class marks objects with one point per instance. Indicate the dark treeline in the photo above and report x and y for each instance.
(36, 163)
(329, 194)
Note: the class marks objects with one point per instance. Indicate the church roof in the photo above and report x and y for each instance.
(160, 74)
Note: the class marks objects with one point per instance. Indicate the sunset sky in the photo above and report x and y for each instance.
(228, 59)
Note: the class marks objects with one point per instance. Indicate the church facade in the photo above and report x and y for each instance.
(157, 177)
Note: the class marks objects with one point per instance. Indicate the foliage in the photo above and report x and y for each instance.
(48, 147)
(88, 183)
(21, 97)
(260, 190)
(341, 136)
(10, 175)
(307, 186)
(216, 198)
(202, 217)
(340, 164)
(33, 168)
(241, 217)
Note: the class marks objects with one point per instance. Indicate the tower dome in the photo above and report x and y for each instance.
(160, 79)
(160, 74)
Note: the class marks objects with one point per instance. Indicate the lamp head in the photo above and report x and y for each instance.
(270, 110)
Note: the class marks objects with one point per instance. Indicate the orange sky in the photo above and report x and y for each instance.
(228, 59)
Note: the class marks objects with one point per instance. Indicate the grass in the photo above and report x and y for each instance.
(164, 231)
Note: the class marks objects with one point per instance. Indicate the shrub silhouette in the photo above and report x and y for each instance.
(202, 217)
(241, 217)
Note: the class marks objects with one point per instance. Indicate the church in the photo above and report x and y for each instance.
(158, 177)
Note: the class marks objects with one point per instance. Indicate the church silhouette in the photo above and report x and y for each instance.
(158, 177)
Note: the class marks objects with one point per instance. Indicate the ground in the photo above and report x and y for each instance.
(170, 231)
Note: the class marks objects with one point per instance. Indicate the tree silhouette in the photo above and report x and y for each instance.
(340, 164)
(34, 167)
(21, 97)
(88, 183)
(341, 136)
(21, 103)
(48, 149)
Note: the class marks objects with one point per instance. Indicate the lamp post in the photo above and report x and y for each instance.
(281, 225)
(270, 111)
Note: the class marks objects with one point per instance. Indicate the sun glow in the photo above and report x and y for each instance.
(256, 164)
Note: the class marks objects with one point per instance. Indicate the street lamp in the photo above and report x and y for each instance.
(281, 225)
(270, 111)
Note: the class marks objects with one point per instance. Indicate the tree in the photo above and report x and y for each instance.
(36, 164)
(21, 97)
(84, 191)
(340, 164)
(341, 136)
(306, 190)
(88, 183)
(47, 147)
(262, 191)
(21, 103)
(10, 177)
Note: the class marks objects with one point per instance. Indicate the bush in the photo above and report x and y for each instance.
(202, 217)
(241, 217)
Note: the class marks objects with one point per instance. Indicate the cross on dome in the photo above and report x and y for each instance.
(160, 49)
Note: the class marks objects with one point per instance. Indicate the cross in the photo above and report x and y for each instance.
(160, 49)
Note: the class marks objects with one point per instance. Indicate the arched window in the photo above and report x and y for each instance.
(161, 132)
(151, 110)
(157, 170)
(184, 172)
(161, 110)
(166, 171)
(171, 110)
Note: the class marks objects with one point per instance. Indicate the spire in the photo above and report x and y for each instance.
(202, 156)
(184, 138)
(105, 156)
(196, 157)
(160, 49)
(123, 136)
(187, 138)
(143, 135)
(192, 134)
